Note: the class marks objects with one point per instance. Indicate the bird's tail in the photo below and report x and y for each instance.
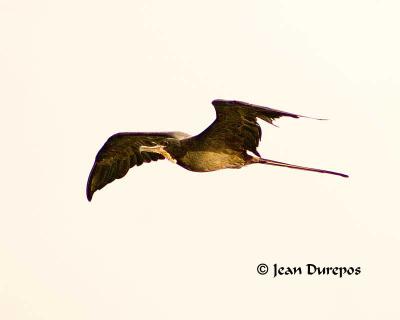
(293, 166)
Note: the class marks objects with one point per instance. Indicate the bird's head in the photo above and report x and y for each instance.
(167, 144)
(171, 145)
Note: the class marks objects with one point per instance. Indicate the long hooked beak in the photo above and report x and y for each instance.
(154, 149)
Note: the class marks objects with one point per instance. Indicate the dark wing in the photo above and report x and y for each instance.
(120, 153)
(236, 125)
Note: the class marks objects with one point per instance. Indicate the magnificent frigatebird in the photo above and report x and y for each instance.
(224, 144)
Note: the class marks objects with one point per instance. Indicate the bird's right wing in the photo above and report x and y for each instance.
(120, 153)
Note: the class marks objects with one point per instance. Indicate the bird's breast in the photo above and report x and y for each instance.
(204, 161)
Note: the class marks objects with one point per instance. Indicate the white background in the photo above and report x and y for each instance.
(166, 243)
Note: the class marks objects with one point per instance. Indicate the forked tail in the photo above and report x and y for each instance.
(293, 166)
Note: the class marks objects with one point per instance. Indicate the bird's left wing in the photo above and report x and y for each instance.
(236, 127)
(120, 153)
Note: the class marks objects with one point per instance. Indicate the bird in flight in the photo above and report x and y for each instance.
(224, 144)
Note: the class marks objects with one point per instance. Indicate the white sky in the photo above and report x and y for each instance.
(166, 243)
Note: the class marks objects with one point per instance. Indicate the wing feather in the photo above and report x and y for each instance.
(236, 127)
(120, 153)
